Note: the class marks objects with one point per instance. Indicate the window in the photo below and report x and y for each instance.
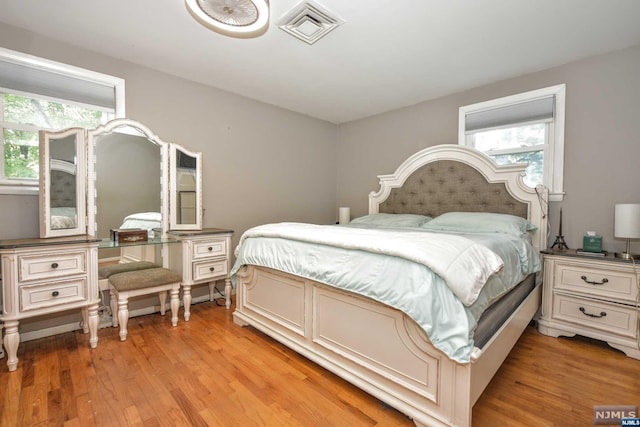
(37, 94)
(523, 128)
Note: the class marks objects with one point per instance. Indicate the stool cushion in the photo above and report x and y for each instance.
(109, 270)
(141, 279)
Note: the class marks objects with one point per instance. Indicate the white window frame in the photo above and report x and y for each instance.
(554, 149)
(29, 187)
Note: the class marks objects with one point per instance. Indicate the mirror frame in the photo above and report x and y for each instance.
(173, 188)
(45, 139)
(121, 125)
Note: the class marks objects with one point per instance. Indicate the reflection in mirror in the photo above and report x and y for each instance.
(185, 183)
(62, 198)
(127, 183)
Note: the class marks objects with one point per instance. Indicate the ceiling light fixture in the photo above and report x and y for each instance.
(234, 18)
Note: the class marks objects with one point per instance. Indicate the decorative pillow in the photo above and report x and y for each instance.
(481, 222)
(392, 220)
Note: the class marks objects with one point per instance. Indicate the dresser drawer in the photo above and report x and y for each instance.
(596, 281)
(607, 317)
(209, 270)
(51, 265)
(33, 297)
(209, 248)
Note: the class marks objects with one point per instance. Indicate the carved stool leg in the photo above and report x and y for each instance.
(163, 301)
(123, 316)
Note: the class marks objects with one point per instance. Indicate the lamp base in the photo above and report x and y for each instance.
(627, 255)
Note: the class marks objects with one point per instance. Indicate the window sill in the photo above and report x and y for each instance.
(19, 188)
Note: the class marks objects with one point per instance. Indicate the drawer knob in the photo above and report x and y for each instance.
(210, 248)
(605, 280)
(584, 311)
(54, 265)
(212, 268)
(55, 293)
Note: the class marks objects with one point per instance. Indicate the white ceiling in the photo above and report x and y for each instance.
(388, 54)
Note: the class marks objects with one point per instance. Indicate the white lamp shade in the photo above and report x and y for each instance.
(344, 215)
(627, 221)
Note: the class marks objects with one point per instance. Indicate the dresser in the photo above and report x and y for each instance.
(44, 276)
(203, 256)
(591, 296)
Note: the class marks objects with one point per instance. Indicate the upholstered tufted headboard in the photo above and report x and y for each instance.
(454, 178)
(451, 186)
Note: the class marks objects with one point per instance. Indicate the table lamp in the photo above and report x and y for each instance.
(627, 226)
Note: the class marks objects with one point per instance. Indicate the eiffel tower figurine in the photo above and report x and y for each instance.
(559, 242)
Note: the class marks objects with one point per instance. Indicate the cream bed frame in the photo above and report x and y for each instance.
(378, 348)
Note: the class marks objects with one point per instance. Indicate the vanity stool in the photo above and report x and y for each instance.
(128, 284)
(109, 270)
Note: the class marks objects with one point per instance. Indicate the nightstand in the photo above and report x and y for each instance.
(203, 256)
(591, 296)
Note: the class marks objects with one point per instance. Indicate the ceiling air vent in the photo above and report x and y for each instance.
(309, 22)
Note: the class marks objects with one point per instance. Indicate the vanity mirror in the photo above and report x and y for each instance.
(119, 175)
(128, 180)
(62, 183)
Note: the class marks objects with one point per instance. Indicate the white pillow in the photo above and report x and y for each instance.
(481, 222)
(392, 220)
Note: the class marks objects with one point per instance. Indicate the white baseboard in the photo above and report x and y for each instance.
(69, 327)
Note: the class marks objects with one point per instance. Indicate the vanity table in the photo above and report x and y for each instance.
(45, 276)
(92, 181)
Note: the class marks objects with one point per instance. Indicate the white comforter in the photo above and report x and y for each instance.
(409, 286)
(464, 265)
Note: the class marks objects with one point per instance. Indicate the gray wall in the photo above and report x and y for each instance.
(261, 163)
(602, 141)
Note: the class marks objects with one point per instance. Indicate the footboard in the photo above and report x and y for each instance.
(342, 332)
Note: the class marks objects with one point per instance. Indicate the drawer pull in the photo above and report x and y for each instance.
(54, 265)
(212, 268)
(605, 280)
(55, 293)
(584, 311)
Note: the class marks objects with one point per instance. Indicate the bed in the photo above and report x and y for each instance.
(387, 351)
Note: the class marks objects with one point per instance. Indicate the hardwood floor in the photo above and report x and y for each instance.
(209, 372)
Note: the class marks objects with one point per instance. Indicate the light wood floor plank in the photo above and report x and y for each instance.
(210, 372)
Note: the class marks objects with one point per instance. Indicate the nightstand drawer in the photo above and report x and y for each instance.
(602, 282)
(608, 317)
(209, 270)
(33, 297)
(209, 248)
(48, 266)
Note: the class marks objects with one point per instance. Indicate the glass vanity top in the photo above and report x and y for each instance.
(108, 243)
